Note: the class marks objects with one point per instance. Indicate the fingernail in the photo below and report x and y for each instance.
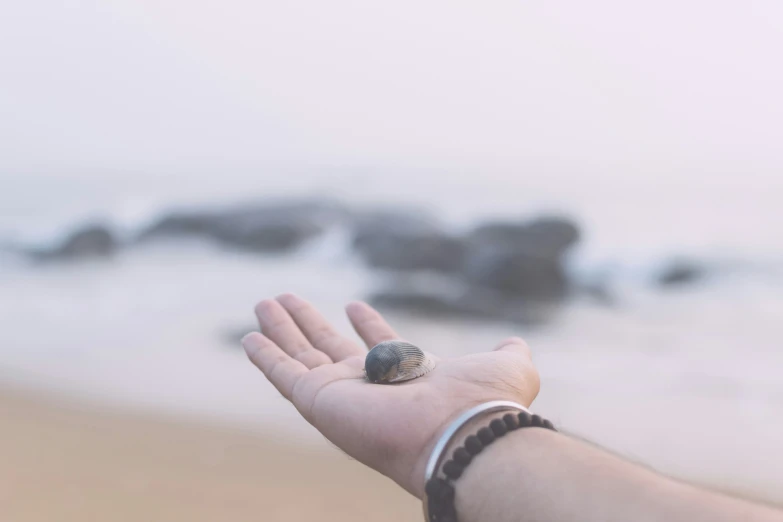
(262, 308)
(355, 305)
(288, 296)
(247, 343)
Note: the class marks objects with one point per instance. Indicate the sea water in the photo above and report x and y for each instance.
(687, 380)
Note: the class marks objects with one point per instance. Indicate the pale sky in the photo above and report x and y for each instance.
(145, 86)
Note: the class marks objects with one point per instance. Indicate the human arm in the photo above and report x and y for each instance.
(539, 475)
(531, 475)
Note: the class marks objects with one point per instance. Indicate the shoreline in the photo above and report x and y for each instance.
(66, 462)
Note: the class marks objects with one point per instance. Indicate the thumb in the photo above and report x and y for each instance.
(514, 344)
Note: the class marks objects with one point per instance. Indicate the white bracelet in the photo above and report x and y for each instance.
(448, 436)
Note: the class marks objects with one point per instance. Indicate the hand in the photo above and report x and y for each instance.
(391, 428)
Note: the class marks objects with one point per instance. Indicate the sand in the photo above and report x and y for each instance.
(64, 462)
(67, 461)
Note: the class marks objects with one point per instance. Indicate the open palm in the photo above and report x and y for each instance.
(390, 428)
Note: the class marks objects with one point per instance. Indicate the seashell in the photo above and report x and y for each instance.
(396, 361)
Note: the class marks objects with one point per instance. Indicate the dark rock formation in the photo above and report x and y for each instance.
(547, 238)
(681, 273)
(515, 273)
(521, 259)
(517, 258)
(181, 224)
(500, 271)
(276, 227)
(508, 271)
(421, 252)
(406, 241)
(468, 303)
(92, 241)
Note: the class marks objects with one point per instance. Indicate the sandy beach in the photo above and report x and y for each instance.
(63, 462)
(67, 460)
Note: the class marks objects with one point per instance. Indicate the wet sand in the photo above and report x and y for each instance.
(60, 461)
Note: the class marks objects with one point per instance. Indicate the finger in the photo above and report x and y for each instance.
(318, 331)
(309, 389)
(369, 324)
(281, 329)
(281, 370)
(514, 344)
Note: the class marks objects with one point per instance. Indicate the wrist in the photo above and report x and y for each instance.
(452, 434)
(465, 438)
(509, 465)
(418, 478)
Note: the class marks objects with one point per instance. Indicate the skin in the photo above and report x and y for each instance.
(537, 475)
(321, 372)
(533, 474)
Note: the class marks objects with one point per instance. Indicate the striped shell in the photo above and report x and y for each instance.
(396, 361)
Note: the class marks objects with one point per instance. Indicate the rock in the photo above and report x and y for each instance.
(181, 224)
(599, 293)
(262, 230)
(421, 252)
(406, 241)
(89, 242)
(521, 259)
(681, 273)
(515, 259)
(272, 227)
(470, 303)
(368, 226)
(544, 237)
(515, 273)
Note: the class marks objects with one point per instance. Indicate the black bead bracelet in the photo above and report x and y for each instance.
(440, 491)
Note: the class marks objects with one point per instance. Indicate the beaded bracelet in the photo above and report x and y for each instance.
(439, 492)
